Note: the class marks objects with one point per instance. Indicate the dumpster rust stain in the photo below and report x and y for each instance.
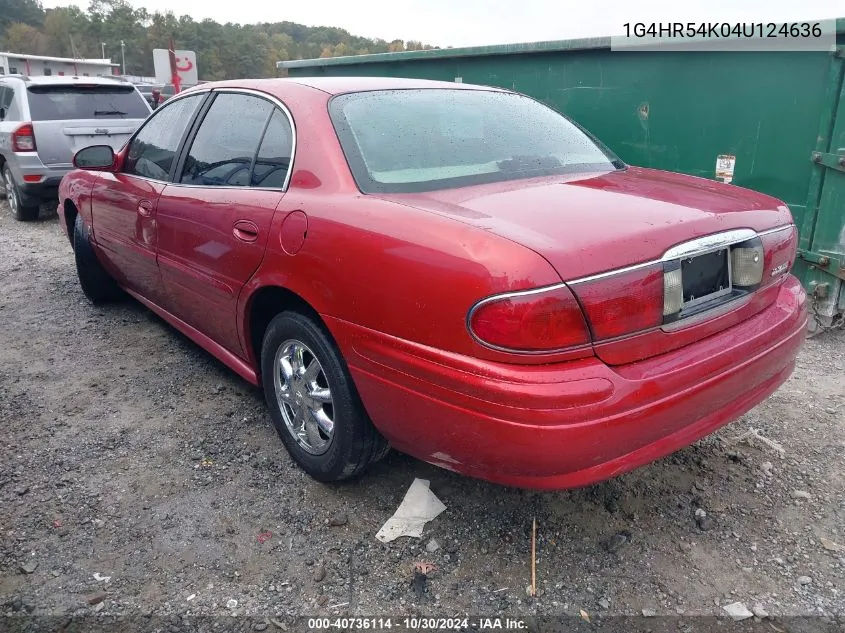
(643, 112)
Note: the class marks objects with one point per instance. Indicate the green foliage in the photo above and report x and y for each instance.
(224, 51)
(24, 11)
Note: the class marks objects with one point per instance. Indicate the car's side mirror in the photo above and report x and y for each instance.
(96, 157)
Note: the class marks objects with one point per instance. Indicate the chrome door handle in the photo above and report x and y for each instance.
(145, 208)
(245, 230)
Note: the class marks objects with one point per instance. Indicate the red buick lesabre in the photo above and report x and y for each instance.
(456, 271)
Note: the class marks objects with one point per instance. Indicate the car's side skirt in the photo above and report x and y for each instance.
(233, 362)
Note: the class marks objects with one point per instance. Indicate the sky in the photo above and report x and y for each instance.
(480, 22)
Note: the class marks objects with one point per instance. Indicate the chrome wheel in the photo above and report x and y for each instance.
(11, 193)
(304, 396)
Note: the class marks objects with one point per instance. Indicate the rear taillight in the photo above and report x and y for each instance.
(779, 250)
(624, 302)
(23, 139)
(543, 320)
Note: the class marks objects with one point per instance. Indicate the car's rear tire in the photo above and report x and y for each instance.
(20, 208)
(95, 281)
(313, 402)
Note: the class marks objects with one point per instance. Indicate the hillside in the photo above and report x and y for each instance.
(224, 51)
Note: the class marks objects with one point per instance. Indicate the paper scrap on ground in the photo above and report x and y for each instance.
(419, 506)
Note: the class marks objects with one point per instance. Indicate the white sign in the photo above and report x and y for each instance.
(186, 67)
(725, 164)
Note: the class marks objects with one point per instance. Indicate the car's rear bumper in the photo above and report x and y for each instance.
(36, 181)
(47, 189)
(575, 423)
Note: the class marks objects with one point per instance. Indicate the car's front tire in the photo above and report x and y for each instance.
(313, 402)
(20, 208)
(95, 281)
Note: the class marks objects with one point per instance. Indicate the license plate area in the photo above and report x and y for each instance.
(705, 278)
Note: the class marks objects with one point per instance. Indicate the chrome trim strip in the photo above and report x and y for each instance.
(705, 244)
(706, 315)
(708, 243)
(612, 273)
(777, 230)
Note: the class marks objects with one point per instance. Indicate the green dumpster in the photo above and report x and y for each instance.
(770, 121)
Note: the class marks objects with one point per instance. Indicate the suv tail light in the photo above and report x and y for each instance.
(624, 302)
(23, 139)
(543, 320)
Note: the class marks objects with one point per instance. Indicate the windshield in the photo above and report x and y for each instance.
(399, 141)
(57, 103)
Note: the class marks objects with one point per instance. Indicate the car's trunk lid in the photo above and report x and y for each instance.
(594, 223)
(69, 117)
(58, 141)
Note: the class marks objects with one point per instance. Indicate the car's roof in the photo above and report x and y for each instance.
(340, 85)
(67, 80)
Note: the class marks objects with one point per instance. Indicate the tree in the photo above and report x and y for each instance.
(23, 11)
(63, 24)
(224, 51)
(23, 38)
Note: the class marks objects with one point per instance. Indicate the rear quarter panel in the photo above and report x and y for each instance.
(75, 188)
(396, 270)
(379, 265)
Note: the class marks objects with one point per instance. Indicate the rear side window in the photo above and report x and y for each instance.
(273, 160)
(9, 104)
(3, 106)
(227, 141)
(57, 103)
(153, 149)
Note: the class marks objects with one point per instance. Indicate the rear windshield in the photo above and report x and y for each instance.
(399, 141)
(54, 103)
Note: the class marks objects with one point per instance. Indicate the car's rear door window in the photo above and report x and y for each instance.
(152, 151)
(275, 154)
(69, 102)
(224, 149)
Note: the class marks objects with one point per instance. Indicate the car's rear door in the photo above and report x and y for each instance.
(214, 220)
(123, 204)
(67, 117)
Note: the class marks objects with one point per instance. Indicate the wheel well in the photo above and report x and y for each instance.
(70, 218)
(267, 303)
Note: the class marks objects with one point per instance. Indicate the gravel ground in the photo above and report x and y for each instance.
(140, 476)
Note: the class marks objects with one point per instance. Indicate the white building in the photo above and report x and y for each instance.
(38, 65)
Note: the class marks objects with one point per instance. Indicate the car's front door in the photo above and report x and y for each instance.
(214, 220)
(124, 204)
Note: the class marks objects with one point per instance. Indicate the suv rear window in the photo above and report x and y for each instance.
(55, 103)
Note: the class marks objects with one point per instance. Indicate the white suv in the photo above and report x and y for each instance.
(45, 120)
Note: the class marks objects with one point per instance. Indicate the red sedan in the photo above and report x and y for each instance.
(456, 271)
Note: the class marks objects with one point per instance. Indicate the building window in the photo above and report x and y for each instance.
(48, 72)
(61, 73)
(13, 70)
(85, 75)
